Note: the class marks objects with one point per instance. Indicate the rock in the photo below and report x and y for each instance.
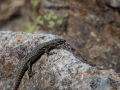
(115, 3)
(9, 8)
(56, 4)
(60, 71)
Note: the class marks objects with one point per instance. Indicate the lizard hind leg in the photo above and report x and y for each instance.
(49, 54)
(30, 73)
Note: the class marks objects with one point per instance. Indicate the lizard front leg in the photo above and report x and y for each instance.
(30, 70)
(48, 53)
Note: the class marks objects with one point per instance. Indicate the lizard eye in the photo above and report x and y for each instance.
(44, 49)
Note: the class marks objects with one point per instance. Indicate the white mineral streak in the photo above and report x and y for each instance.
(60, 71)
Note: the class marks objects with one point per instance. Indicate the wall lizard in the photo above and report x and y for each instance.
(33, 57)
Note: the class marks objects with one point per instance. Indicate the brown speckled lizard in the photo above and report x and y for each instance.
(34, 56)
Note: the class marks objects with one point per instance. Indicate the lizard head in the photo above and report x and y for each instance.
(54, 43)
(57, 42)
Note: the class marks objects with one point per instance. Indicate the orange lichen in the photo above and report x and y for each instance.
(8, 65)
(42, 61)
(18, 37)
(78, 74)
(47, 83)
(93, 73)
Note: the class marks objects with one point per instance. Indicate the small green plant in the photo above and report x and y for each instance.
(40, 20)
(59, 22)
(51, 24)
(30, 28)
(53, 15)
(47, 17)
(50, 16)
(66, 15)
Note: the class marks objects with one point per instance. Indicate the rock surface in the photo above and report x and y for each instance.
(61, 71)
(9, 8)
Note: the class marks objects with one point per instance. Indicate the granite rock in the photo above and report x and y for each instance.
(60, 71)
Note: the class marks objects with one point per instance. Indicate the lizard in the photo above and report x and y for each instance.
(34, 56)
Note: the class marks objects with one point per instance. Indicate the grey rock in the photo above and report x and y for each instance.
(115, 3)
(60, 71)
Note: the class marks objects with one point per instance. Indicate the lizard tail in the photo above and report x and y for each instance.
(19, 78)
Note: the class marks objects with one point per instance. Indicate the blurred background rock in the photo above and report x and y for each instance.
(91, 26)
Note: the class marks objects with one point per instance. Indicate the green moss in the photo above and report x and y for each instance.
(34, 2)
(51, 24)
(59, 22)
